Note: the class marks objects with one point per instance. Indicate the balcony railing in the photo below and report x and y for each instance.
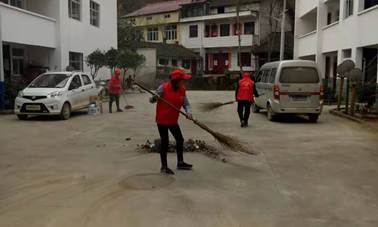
(25, 27)
(228, 41)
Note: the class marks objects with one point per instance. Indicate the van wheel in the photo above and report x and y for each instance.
(255, 108)
(313, 117)
(65, 114)
(270, 114)
(22, 117)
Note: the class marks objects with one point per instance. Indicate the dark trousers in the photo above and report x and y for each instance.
(176, 132)
(244, 110)
(112, 99)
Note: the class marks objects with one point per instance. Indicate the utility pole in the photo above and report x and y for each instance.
(239, 35)
(282, 46)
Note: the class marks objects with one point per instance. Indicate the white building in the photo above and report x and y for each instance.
(52, 34)
(211, 31)
(330, 31)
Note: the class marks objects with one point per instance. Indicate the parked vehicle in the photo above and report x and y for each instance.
(293, 87)
(55, 93)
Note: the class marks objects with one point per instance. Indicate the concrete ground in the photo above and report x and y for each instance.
(82, 172)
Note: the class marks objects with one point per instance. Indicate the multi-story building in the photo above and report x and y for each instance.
(330, 31)
(40, 35)
(207, 27)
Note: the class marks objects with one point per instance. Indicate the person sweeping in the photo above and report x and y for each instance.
(115, 90)
(174, 92)
(244, 94)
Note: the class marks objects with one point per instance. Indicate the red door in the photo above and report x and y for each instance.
(220, 63)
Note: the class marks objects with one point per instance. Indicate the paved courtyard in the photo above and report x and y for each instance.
(83, 172)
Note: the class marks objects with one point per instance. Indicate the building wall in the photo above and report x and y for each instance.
(147, 72)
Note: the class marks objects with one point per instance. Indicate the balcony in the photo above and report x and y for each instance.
(307, 44)
(306, 6)
(221, 16)
(331, 37)
(228, 41)
(25, 27)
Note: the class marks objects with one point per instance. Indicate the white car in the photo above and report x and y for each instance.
(55, 93)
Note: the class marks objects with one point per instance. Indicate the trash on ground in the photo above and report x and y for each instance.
(198, 146)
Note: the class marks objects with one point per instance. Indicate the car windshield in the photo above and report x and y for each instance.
(299, 75)
(50, 81)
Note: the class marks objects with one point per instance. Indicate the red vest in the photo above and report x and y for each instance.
(115, 85)
(245, 92)
(166, 115)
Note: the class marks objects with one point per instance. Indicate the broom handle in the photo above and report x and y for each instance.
(163, 100)
(228, 103)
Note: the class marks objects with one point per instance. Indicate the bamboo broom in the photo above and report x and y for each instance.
(207, 107)
(229, 142)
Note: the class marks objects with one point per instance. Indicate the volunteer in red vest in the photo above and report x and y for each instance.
(174, 92)
(115, 89)
(245, 93)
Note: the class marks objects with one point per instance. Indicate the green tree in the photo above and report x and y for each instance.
(95, 61)
(128, 59)
(128, 36)
(111, 59)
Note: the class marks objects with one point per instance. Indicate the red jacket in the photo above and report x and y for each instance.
(245, 89)
(115, 85)
(166, 115)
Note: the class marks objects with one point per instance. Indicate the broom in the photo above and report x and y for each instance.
(226, 141)
(127, 107)
(207, 107)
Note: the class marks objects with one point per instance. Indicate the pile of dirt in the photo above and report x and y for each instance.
(198, 146)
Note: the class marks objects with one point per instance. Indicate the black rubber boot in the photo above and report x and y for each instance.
(166, 170)
(184, 166)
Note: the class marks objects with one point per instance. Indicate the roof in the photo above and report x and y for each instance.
(170, 50)
(159, 7)
(216, 3)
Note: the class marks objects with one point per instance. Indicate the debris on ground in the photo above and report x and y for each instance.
(128, 139)
(198, 146)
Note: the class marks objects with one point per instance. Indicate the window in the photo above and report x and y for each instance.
(171, 32)
(76, 61)
(153, 34)
(174, 62)
(186, 64)
(329, 18)
(95, 14)
(18, 3)
(74, 9)
(236, 30)
(347, 53)
(220, 9)
(149, 18)
(163, 61)
(75, 83)
(249, 28)
(224, 30)
(370, 3)
(193, 31)
(18, 60)
(272, 76)
(214, 30)
(207, 31)
(86, 79)
(167, 16)
(246, 59)
(299, 75)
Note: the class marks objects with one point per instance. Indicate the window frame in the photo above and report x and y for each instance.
(192, 33)
(89, 79)
(221, 27)
(163, 59)
(72, 81)
(253, 28)
(70, 9)
(152, 34)
(170, 32)
(80, 61)
(94, 12)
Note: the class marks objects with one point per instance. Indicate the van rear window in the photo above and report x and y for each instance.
(299, 75)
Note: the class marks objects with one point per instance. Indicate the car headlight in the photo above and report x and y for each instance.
(20, 94)
(55, 94)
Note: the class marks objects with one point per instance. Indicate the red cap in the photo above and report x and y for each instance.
(180, 74)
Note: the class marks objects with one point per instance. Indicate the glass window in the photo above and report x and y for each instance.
(18, 61)
(246, 59)
(186, 64)
(220, 9)
(370, 3)
(95, 14)
(171, 32)
(86, 79)
(174, 62)
(167, 16)
(74, 9)
(163, 61)
(249, 28)
(214, 30)
(193, 31)
(207, 31)
(76, 61)
(153, 34)
(76, 82)
(272, 76)
(299, 75)
(50, 81)
(18, 3)
(224, 30)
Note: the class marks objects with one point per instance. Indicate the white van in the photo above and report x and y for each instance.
(293, 87)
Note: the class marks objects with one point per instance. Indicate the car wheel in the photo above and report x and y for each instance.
(270, 114)
(313, 117)
(255, 108)
(65, 114)
(22, 117)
